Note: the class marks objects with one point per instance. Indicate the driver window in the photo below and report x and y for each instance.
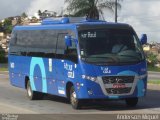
(71, 52)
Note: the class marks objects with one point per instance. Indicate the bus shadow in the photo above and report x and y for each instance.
(150, 101)
(56, 98)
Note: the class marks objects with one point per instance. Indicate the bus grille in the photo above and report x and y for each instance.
(118, 90)
(117, 79)
(114, 80)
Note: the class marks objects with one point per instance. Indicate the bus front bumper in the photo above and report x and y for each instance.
(99, 90)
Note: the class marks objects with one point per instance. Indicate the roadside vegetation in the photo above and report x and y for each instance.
(3, 59)
(4, 69)
(153, 68)
(154, 82)
(152, 61)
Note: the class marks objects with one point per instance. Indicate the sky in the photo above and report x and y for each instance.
(142, 15)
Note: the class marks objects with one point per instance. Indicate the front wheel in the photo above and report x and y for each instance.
(132, 102)
(33, 95)
(76, 103)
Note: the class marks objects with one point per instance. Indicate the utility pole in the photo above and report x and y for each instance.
(115, 11)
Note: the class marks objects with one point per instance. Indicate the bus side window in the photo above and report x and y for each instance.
(63, 52)
(12, 44)
(60, 47)
(41, 43)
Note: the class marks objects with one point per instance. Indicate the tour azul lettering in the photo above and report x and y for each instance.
(68, 67)
(105, 70)
(89, 35)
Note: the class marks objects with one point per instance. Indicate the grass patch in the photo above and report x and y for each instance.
(3, 69)
(155, 69)
(154, 82)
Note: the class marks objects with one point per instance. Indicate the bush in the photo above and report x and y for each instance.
(2, 57)
(152, 59)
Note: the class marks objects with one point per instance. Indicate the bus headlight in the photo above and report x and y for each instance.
(89, 77)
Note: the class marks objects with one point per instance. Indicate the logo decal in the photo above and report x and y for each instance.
(50, 65)
(38, 61)
(70, 70)
(12, 65)
(105, 70)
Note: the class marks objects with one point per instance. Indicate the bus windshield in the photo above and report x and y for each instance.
(110, 46)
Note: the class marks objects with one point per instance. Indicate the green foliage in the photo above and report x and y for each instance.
(153, 68)
(1, 27)
(4, 69)
(24, 15)
(39, 12)
(8, 29)
(7, 26)
(154, 82)
(90, 8)
(7, 21)
(152, 59)
(2, 56)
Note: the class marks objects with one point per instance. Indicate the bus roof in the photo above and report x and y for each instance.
(70, 23)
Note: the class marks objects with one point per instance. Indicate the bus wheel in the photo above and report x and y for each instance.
(76, 104)
(33, 95)
(132, 102)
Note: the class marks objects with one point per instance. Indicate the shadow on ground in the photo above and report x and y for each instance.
(150, 101)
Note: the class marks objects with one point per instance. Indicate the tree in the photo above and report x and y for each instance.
(2, 55)
(39, 12)
(1, 27)
(152, 59)
(7, 26)
(19, 20)
(24, 15)
(90, 8)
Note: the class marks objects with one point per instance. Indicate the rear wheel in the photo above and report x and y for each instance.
(132, 102)
(33, 95)
(76, 103)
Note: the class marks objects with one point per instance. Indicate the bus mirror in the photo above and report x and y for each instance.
(143, 39)
(68, 41)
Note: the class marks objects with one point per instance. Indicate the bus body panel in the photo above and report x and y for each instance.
(53, 80)
(47, 76)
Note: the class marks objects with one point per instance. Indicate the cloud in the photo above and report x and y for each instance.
(143, 16)
(50, 5)
(13, 7)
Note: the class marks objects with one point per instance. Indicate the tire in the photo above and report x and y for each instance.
(76, 103)
(33, 95)
(131, 102)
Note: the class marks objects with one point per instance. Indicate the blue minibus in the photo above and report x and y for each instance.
(79, 59)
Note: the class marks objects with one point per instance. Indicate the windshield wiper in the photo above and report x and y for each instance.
(130, 56)
(113, 59)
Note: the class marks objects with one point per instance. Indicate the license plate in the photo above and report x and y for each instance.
(119, 85)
